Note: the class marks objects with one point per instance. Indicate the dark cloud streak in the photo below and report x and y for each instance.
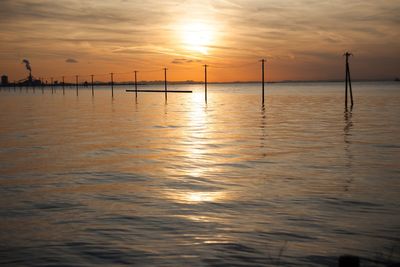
(71, 60)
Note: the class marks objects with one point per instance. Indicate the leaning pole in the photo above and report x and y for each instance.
(348, 88)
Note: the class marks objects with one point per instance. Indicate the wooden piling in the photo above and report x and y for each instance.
(348, 87)
(63, 85)
(345, 92)
(52, 85)
(76, 79)
(263, 79)
(165, 83)
(112, 84)
(205, 83)
(135, 83)
(92, 85)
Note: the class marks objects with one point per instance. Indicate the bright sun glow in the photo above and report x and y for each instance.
(197, 36)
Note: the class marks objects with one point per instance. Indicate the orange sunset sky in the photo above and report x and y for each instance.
(301, 39)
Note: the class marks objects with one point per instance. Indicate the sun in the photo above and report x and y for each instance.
(197, 36)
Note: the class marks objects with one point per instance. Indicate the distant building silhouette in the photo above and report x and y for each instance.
(4, 80)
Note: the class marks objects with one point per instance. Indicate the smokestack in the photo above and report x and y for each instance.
(27, 66)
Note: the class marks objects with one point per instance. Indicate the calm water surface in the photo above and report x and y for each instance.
(88, 181)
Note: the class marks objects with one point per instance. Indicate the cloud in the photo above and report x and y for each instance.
(71, 60)
(149, 31)
(184, 61)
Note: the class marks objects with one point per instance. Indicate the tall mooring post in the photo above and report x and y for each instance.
(52, 85)
(348, 81)
(263, 79)
(63, 81)
(135, 83)
(205, 83)
(76, 80)
(112, 84)
(91, 76)
(165, 83)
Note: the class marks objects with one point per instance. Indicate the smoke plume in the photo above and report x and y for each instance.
(27, 64)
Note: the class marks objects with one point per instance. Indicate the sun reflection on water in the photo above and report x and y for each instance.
(204, 196)
(194, 197)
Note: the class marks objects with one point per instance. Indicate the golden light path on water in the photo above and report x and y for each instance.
(196, 153)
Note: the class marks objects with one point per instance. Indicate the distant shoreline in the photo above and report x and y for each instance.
(141, 83)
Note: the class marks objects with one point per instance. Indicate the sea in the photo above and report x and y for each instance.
(126, 180)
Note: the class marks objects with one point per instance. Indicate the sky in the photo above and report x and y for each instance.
(300, 39)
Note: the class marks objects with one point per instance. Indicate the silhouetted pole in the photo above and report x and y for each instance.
(63, 85)
(205, 83)
(263, 79)
(348, 81)
(76, 79)
(112, 84)
(135, 83)
(42, 86)
(351, 90)
(52, 87)
(349, 77)
(92, 85)
(165, 83)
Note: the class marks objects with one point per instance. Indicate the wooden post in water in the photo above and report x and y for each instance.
(42, 83)
(165, 83)
(263, 79)
(76, 80)
(92, 85)
(348, 81)
(63, 81)
(112, 84)
(205, 82)
(52, 85)
(135, 83)
(350, 89)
